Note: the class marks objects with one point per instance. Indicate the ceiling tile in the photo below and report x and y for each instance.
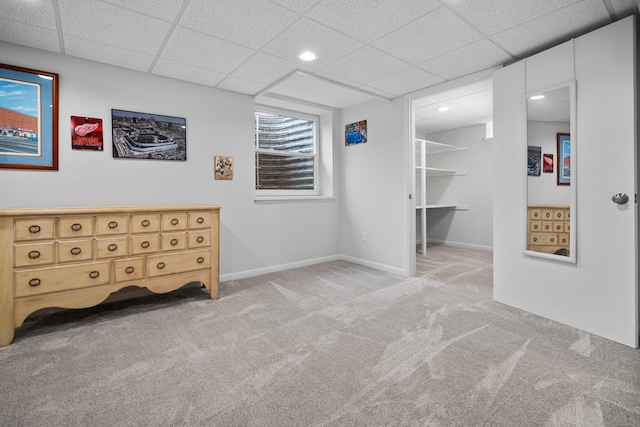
(162, 9)
(371, 20)
(264, 68)
(100, 52)
(203, 51)
(235, 84)
(120, 27)
(466, 60)
(499, 15)
(250, 23)
(408, 80)
(438, 32)
(176, 70)
(554, 28)
(365, 65)
(37, 13)
(479, 104)
(28, 35)
(305, 34)
(299, 6)
(465, 90)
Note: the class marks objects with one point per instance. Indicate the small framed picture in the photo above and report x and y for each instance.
(224, 168)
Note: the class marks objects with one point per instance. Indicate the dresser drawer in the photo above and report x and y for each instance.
(113, 224)
(547, 226)
(145, 223)
(199, 220)
(174, 221)
(558, 226)
(199, 239)
(559, 214)
(547, 214)
(34, 254)
(535, 226)
(563, 240)
(80, 226)
(111, 247)
(535, 214)
(75, 250)
(174, 241)
(543, 239)
(129, 269)
(54, 279)
(567, 227)
(160, 265)
(144, 244)
(33, 229)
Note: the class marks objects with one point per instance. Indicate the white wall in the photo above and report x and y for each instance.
(599, 293)
(472, 227)
(543, 189)
(254, 238)
(374, 189)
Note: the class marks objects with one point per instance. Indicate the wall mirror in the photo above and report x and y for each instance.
(551, 173)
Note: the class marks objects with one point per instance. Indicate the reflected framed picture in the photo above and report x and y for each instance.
(564, 159)
(534, 160)
(547, 163)
(224, 168)
(28, 118)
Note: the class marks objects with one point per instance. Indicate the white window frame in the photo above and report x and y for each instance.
(315, 155)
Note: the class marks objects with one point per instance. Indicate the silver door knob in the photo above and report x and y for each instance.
(620, 198)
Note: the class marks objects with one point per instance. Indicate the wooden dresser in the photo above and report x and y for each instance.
(548, 228)
(77, 257)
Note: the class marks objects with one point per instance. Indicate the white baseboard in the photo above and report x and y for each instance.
(461, 245)
(374, 265)
(275, 268)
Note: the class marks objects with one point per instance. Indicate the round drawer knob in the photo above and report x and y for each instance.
(200, 239)
(535, 227)
(76, 227)
(553, 240)
(112, 247)
(200, 220)
(34, 282)
(161, 265)
(535, 239)
(113, 225)
(129, 270)
(75, 251)
(34, 254)
(174, 242)
(200, 260)
(535, 214)
(94, 274)
(145, 223)
(174, 221)
(145, 244)
(34, 229)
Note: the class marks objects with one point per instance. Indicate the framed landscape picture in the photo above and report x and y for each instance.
(28, 118)
(564, 159)
(148, 136)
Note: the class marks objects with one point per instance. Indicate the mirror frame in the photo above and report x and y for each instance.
(572, 258)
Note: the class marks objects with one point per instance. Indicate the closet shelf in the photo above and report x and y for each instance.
(440, 172)
(432, 147)
(444, 206)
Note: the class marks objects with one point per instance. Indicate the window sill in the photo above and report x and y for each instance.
(263, 200)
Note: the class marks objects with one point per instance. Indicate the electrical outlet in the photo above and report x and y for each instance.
(364, 236)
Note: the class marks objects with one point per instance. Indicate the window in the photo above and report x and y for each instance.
(286, 153)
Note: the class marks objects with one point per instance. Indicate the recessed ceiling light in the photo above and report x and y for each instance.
(307, 56)
(441, 109)
(536, 97)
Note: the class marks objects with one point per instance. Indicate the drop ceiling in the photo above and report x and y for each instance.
(367, 49)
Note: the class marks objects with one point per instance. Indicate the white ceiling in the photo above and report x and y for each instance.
(371, 48)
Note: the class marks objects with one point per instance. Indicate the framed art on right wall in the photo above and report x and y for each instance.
(564, 159)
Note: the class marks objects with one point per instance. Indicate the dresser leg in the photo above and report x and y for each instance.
(7, 327)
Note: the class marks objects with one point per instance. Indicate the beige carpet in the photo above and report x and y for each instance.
(335, 344)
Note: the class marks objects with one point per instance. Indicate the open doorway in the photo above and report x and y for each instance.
(452, 167)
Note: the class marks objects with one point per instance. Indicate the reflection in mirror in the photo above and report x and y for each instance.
(550, 190)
